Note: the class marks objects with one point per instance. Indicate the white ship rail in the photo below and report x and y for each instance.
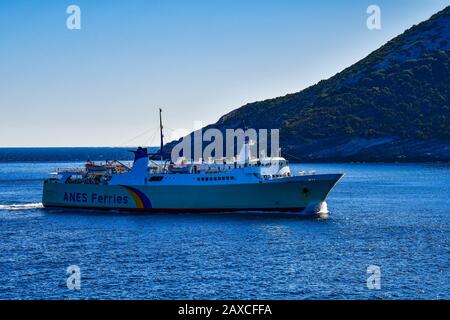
(70, 170)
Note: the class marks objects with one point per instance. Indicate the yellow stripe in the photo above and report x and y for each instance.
(136, 198)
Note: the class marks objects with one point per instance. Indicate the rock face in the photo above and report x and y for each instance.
(393, 105)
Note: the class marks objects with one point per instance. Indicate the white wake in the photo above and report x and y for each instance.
(323, 210)
(22, 206)
(320, 209)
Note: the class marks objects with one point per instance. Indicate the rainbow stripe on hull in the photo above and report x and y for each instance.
(140, 198)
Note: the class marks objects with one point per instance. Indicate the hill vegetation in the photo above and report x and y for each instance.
(393, 105)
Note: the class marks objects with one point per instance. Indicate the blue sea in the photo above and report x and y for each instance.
(392, 216)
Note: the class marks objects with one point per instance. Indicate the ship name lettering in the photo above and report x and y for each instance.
(75, 197)
(95, 198)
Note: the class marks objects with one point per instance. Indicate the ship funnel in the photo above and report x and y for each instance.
(138, 172)
(140, 153)
(140, 163)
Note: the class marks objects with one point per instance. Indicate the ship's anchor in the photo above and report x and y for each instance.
(305, 192)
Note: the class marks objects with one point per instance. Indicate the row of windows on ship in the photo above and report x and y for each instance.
(220, 178)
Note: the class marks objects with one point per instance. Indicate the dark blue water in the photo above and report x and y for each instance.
(67, 154)
(390, 215)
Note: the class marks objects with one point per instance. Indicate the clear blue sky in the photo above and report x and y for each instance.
(101, 85)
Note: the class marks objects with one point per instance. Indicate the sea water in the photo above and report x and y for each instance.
(391, 217)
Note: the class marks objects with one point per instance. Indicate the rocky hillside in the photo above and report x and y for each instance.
(393, 105)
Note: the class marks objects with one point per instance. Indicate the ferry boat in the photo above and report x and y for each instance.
(244, 184)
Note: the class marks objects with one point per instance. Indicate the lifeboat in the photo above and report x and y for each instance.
(94, 167)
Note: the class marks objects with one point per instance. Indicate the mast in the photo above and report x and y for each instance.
(161, 134)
